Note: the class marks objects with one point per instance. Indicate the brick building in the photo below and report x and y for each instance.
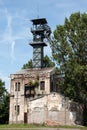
(28, 84)
(33, 99)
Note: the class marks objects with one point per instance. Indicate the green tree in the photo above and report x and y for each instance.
(47, 63)
(4, 104)
(69, 51)
(28, 65)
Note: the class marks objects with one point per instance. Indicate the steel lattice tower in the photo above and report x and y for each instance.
(40, 31)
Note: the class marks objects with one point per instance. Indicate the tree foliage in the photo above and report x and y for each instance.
(47, 63)
(69, 50)
(4, 104)
(28, 65)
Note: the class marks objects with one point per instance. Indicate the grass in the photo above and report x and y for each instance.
(21, 126)
(37, 126)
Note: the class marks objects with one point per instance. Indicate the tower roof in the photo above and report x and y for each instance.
(39, 21)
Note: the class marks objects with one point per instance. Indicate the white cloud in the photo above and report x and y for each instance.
(9, 22)
(9, 36)
(12, 51)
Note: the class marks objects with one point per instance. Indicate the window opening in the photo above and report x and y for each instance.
(42, 85)
(17, 109)
(17, 86)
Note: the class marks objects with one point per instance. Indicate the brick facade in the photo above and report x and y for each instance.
(38, 103)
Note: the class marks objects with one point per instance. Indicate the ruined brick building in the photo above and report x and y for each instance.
(33, 93)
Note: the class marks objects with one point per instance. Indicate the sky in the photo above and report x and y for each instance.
(15, 24)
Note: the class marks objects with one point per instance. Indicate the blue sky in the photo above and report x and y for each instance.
(15, 35)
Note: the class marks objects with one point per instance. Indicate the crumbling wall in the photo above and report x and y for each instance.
(53, 109)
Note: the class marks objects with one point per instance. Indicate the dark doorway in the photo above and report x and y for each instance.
(25, 117)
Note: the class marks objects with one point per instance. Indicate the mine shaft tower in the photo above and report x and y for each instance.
(40, 31)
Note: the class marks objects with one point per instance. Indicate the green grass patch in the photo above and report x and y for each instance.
(21, 126)
(38, 126)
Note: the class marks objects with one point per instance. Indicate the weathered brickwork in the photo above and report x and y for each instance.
(52, 109)
(38, 103)
(18, 97)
